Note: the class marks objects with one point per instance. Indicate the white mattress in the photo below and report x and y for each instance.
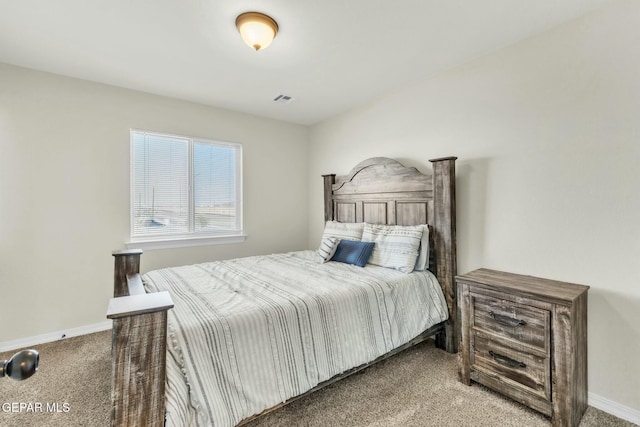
(249, 333)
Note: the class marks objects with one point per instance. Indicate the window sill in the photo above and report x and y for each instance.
(184, 242)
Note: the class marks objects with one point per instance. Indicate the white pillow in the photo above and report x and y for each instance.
(422, 263)
(343, 230)
(396, 246)
(327, 248)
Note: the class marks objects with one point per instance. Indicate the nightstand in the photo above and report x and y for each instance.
(526, 338)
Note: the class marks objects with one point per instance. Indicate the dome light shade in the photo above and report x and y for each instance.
(256, 29)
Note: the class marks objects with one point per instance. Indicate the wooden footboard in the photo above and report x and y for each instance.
(378, 190)
(139, 346)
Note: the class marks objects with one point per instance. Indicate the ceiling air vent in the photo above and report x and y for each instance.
(283, 99)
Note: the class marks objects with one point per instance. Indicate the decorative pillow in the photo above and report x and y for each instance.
(352, 252)
(343, 230)
(422, 263)
(327, 248)
(396, 245)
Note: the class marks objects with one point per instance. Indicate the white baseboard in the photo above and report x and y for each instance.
(54, 336)
(614, 408)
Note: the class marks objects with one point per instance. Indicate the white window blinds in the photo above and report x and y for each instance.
(184, 187)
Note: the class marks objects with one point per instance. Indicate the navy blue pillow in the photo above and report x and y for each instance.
(352, 252)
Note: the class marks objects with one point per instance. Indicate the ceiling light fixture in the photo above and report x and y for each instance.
(256, 29)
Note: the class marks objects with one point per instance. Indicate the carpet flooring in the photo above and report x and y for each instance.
(418, 387)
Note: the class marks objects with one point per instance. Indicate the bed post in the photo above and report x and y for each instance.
(139, 346)
(329, 180)
(126, 263)
(444, 202)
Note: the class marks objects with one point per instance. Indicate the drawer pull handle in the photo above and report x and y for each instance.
(512, 363)
(507, 320)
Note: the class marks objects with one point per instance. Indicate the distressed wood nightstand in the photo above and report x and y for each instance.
(526, 338)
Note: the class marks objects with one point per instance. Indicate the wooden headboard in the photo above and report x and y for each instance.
(383, 191)
(378, 190)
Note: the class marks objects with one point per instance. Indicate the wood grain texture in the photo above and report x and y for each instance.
(383, 191)
(529, 371)
(444, 223)
(570, 352)
(579, 343)
(548, 372)
(530, 325)
(139, 346)
(379, 175)
(126, 262)
(138, 370)
(329, 180)
(553, 291)
(464, 363)
(495, 382)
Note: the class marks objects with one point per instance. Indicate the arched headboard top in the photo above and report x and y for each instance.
(381, 175)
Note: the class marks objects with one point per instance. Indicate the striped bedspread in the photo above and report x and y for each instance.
(249, 333)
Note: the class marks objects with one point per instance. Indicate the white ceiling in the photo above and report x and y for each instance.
(330, 55)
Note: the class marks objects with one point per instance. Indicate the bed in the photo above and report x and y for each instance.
(248, 335)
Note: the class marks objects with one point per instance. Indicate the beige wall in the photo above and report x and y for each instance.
(548, 138)
(64, 192)
(547, 134)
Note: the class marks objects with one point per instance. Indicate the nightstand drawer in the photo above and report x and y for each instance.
(523, 323)
(519, 368)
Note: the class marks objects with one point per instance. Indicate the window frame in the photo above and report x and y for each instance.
(191, 238)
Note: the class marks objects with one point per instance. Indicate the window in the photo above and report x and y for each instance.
(184, 190)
